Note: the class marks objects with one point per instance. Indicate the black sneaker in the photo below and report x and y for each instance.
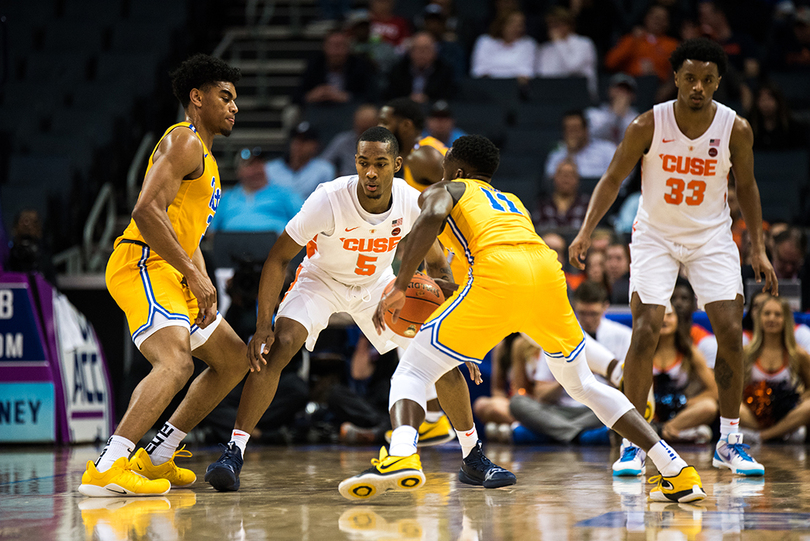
(477, 469)
(223, 474)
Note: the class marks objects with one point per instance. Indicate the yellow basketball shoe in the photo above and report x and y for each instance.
(386, 473)
(141, 463)
(119, 480)
(682, 488)
(432, 433)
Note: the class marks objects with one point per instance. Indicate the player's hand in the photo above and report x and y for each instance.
(259, 346)
(761, 265)
(447, 287)
(203, 290)
(394, 300)
(578, 250)
(475, 372)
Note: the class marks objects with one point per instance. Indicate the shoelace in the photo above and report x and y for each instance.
(629, 453)
(481, 462)
(182, 453)
(655, 478)
(227, 453)
(740, 448)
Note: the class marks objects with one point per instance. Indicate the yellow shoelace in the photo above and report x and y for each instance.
(655, 478)
(182, 453)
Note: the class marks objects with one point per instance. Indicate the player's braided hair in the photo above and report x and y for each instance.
(378, 134)
(200, 71)
(478, 152)
(701, 49)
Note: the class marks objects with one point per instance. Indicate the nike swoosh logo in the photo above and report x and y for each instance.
(470, 433)
(124, 492)
(667, 140)
(140, 467)
(389, 466)
(352, 229)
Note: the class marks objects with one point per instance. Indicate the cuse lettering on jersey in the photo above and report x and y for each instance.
(378, 245)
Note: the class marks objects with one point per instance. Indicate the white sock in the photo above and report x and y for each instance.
(117, 447)
(729, 426)
(164, 444)
(468, 440)
(403, 441)
(240, 439)
(433, 416)
(666, 459)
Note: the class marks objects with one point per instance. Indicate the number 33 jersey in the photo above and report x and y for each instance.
(684, 182)
(346, 243)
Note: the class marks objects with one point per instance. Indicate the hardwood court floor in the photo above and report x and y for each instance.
(291, 493)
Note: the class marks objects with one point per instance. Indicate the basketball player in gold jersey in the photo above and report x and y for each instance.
(157, 276)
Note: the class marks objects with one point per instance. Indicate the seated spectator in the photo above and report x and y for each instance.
(684, 387)
(777, 377)
(453, 54)
(771, 121)
(590, 304)
(505, 53)
(646, 50)
(610, 120)
(421, 75)
(566, 206)
(684, 303)
(441, 124)
(385, 26)
(617, 271)
(801, 331)
(791, 44)
(591, 156)
(573, 277)
(566, 54)
(789, 248)
(341, 149)
(255, 204)
(300, 170)
(382, 54)
(337, 76)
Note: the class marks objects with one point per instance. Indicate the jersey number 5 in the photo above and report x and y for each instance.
(677, 187)
(365, 265)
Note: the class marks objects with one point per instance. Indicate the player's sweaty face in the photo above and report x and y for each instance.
(375, 168)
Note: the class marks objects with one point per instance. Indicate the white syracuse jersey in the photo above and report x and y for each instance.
(684, 182)
(359, 251)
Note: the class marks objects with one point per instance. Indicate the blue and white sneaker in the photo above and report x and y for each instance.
(224, 473)
(632, 461)
(730, 453)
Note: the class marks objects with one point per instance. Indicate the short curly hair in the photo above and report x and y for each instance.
(478, 152)
(378, 134)
(702, 50)
(200, 71)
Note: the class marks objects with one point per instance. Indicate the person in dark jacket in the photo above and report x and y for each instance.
(421, 75)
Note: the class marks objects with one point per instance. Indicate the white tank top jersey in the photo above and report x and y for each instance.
(346, 243)
(684, 182)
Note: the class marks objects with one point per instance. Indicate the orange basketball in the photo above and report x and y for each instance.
(422, 297)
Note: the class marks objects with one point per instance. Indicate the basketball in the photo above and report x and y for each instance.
(422, 297)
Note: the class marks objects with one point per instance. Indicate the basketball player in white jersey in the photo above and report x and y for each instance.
(351, 227)
(687, 146)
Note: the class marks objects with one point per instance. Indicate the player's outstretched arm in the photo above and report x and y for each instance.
(270, 284)
(742, 163)
(179, 156)
(637, 139)
(436, 204)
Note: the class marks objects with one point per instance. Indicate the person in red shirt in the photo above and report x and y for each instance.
(386, 26)
(646, 50)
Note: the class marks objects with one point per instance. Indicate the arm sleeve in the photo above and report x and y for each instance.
(315, 217)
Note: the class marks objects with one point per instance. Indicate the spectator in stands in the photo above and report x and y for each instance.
(566, 54)
(382, 54)
(441, 124)
(773, 126)
(595, 268)
(341, 149)
(450, 51)
(789, 250)
(777, 377)
(610, 120)
(590, 304)
(385, 26)
(791, 44)
(300, 170)
(617, 271)
(646, 50)
(684, 304)
(27, 249)
(566, 206)
(800, 331)
(506, 52)
(555, 241)
(421, 75)
(740, 48)
(685, 390)
(591, 156)
(337, 76)
(255, 204)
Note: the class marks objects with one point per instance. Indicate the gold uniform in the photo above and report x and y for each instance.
(514, 284)
(142, 283)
